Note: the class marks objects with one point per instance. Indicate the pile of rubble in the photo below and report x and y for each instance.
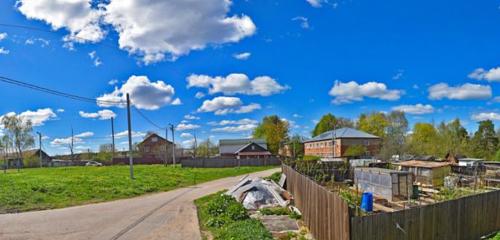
(258, 193)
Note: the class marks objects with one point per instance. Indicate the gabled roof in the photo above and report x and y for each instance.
(160, 138)
(232, 146)
(342, 133)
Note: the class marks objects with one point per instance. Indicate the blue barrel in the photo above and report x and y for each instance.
(367, 202)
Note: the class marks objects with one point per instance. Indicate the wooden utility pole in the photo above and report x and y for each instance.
(130, 156)
(112, 138)
(166, 146)
(173, 142)
(40, 148)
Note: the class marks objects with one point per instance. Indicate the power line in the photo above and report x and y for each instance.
(55, 92)
(148, 120)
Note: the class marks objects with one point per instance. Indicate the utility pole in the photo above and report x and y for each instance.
(173, 142)
(72, 145)
(130, 157)
(40, 148)
(166, 146)
(112, 138)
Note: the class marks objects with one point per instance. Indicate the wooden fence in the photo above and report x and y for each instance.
(323, 211)
(229, 162)
(466, 218)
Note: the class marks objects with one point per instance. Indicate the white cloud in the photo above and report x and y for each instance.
(460, 92)
(184, 26)
(242, 56)
(492, 75)
(3, 36)
(185, 127)
(225, 105)
(60, 110)
(352, 91)
(416, 109)
(177, 101)
(237, 83)
(124, 134)
(144, 94)
(97, 60)
(186, 135)
(77, 16)
(234, 129)
(315, 3)
(77, 139)
(191, 117)
(43, 42)
(4, 51)
(295, 115)
(37, 118)
(84, 135)
(199, 95)
(113, 82)
(304, 22)
(102, 114)
(486, 116)
(188, 143)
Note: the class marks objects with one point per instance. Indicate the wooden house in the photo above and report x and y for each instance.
(431, 173)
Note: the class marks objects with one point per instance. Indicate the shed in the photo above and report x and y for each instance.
(427, 172)
(385, 183)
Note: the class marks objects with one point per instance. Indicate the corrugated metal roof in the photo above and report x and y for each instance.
(231, 146)
(423, 164)
(342, 133)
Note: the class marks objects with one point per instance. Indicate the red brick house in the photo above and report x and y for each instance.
(322, 146)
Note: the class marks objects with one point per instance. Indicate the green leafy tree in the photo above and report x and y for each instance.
(453, 138)
(295, 145)
(395, 137)
(424, 139)
(355, 151)
(497, 156)
(19, 133)
(373, 123)
(206, 149)
(485, 142)
(329, 122)
(274, 130)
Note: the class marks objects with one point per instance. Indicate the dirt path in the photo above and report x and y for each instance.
(168, 215)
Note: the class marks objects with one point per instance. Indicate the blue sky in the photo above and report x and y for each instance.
(298, 59)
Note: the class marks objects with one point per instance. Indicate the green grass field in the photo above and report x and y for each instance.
(37, 189)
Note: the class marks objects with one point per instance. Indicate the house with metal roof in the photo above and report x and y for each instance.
(335, 144)
(243, 148)
(431, 173)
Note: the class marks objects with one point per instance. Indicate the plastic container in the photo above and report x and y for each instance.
(367, 202)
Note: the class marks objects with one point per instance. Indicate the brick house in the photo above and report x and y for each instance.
(321, 145)
(156, 147)
(243, 148)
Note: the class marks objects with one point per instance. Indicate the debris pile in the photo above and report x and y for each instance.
(259, 193)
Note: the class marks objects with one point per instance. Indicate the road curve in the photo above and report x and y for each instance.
(167, 215)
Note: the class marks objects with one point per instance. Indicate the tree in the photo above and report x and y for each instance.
(485, 142)
(373, 123)
(274, 130)
(329, 122)
(497, 156)
(395, 136)
(423, 140)
(206, 149)
(19, 133)
(453, 138)
(295, 145)
(355, 151)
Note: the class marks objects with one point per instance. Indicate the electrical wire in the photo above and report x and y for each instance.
(147, 119)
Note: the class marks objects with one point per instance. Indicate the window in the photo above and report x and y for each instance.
(154, 139)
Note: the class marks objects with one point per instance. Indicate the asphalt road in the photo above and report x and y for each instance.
(167, 215)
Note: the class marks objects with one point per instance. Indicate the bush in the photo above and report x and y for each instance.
(274, 177)
(275, 211)
(249, 229)
(311, 158)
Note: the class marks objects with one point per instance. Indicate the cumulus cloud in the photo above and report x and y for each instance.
(186, 135)
(234, 122)
(466, 91)
(199, 95)
(41, 41)
(37, 118)
(320, 3)
(416, 109)
(304, 22)
(77, 139)
(491, 75)
(77, 16)
(124, 134)
(113, 82)
(352, 91)
(144, 94)
(234, 126)
(236, 83)
(97, 60)
(242, 56)
(186, 126)
(191, 117)
(3, 36)
(225, 105)
(60, 110)
(4, 51)
(486, 116)
(102, 114)
(184, 26)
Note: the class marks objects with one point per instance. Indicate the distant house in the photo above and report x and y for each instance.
(243, 148)
(33, 155)
(322, 145)
(155, 147)
(427, 172)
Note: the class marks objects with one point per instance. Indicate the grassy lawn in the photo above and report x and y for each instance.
(37, 189)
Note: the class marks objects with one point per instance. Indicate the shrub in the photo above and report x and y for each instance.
(274, 177)
(311, 158)
(275, 211)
